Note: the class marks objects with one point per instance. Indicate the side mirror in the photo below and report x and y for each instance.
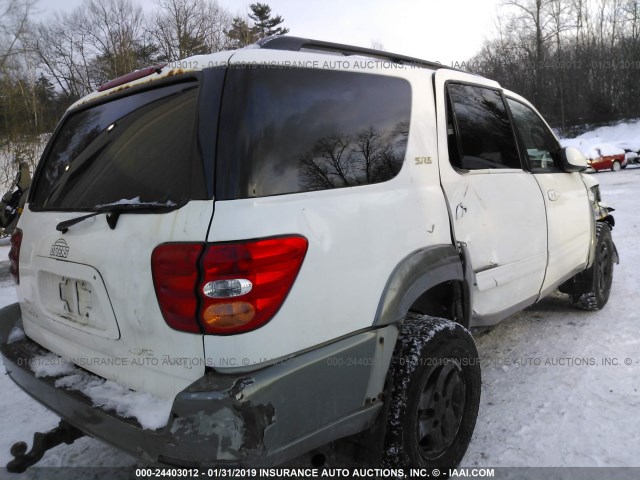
(572, 160)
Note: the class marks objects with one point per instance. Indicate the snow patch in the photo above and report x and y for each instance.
(604, 150)
(151, 412)
(16, 334)
(137, 201)
(50, 365)
(593, 151)
(612, 140)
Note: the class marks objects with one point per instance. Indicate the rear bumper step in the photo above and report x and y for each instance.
(260, 418)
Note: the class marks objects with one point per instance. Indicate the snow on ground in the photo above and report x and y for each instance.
(610, 139)
(574, 413)
(548, 399)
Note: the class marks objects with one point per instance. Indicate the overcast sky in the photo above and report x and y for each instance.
(442, 30)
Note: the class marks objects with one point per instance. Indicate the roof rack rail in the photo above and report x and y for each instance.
(296, 44)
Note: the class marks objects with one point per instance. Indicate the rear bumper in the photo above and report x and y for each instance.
(264, 417)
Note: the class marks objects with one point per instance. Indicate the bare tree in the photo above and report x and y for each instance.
(630, 11)
(370, 156)
(62, 47)
(577, 59)
(14, 21)
(183, 28)
(99, 40)
(115, 32)
(329, 164)
(370, 150)
(537, 21)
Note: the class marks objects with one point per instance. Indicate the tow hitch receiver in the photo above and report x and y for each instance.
(63, 433)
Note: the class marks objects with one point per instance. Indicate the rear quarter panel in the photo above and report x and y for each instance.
(356, 235)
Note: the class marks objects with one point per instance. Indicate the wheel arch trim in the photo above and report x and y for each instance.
(417, 273)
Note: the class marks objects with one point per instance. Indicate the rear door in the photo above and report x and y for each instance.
(496, 206)
(86, 288)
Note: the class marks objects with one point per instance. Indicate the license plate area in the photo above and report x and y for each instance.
(74, 295)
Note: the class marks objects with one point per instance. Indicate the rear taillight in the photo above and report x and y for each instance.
(245, 284)
(225, 288)
(14, 255)
(175, 278)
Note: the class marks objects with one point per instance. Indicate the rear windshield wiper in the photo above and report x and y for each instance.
(114, 210)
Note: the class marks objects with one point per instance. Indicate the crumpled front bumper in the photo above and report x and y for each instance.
(263, 417)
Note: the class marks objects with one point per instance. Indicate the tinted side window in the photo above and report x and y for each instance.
(485, 134)
(542, 147)
(137, 148)
(293, 130)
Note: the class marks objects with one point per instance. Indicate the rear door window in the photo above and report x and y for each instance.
(134, 149)
(485, 139)
(295, 130)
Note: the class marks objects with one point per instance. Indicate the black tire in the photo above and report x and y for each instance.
(435, 396)
(593, 286)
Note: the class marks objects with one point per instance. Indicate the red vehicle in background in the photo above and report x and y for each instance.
(613, 161)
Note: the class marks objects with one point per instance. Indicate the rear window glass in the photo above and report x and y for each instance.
(294, 130)
(484, 129)
(134, 149)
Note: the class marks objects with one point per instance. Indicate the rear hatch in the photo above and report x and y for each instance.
(121, 175)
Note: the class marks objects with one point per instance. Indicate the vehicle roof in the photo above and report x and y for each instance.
(296, 46)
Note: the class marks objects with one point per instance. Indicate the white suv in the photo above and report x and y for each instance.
(271, 249)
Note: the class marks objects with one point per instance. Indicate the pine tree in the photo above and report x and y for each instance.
(264, 24)
(241, 33)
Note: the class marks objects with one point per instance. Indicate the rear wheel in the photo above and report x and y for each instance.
(616, 166)
(435, 396)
